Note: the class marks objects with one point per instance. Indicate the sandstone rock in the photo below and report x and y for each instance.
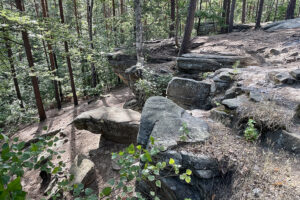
(285, 24)
(115, 124)
(189, 93)
(232, 103)
(296, 74)
(163, 119)
(281, 77)
(256, 96)
(196, 63)
(83, 170)
(223, 80)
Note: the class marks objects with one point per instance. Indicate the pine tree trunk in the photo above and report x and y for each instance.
(139, 32)
(76, 17)
(188, 27)
(51, 56)
(172, 25)
(290, 10)
(227, 15)
(276, 9)
(177, 24)
(59, 83)
(224, 16)
(62, 18)
(244, 11)
(90, 30)
(122, 7)
(259, 14)
(12, 67)
(231, 18)
(199, 19)
(34, 80)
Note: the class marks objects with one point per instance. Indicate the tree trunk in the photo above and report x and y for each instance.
(76, 17)
(62, 18)
(51, 56)
(139, 32)
(172, 25)
(90, 30)
(12, 67)
(122, 7)
(177, 24)
(59, 83)
(199, 19)
(231, 18)
(259, 14)
(290, 10)
(244, 11)
(188, 27)
(224, 15)
(34, 80)
(227, 15)
(276, 9)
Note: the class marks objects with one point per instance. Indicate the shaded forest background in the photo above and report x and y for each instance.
(54, 51)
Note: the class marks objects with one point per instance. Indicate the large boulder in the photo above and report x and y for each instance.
(163, 120)
(197, 63)
(115, 124)
(285, 24)
(189, 93)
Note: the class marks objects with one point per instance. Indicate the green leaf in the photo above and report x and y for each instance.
(152, 193)
(152, 140)
(188, 179)
(15, 185)
(151, 178)
(189, 172)
(171, 161)
(158, 183)
(88, 191)
(106, 191)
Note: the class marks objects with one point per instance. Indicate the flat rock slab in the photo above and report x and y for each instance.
(163, 120)
(189, 93)
(285, 24)
(115, 124)
(196, 63)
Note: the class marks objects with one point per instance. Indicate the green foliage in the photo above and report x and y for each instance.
(152, 85)
(185, 132)
(251, 133)
(150, 171)
(15, 160)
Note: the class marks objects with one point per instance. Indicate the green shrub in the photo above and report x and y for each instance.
(251, 133)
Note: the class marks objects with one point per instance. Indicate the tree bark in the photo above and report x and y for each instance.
(172, 25)
(188, 27)
(227, 15)
(34, 80)
(231, 18)
(244, 11)
(122, 7)
(90, 30)
(76, 17)
(276, 9)
(12, 67)
(51, 56)
(139, 32)
(177, 24)
(62, 18)
(199, 19)
(224, 16)
(290, 10)
(259, 14)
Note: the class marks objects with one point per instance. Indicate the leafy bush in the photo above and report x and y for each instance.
(152, 85)
(251, 133)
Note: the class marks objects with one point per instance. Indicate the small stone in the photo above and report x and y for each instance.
(274, 52)
(256, 192)
(232, 103)
(294, 54)
(296, 74)
(284, 50)
(285, 78)
(256, 96)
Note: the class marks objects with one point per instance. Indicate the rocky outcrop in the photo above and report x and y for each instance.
(163, 120)
(189, 93)
(197, 63)
(285, 24)
(115, 124)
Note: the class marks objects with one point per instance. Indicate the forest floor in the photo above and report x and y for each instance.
(76, 141)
